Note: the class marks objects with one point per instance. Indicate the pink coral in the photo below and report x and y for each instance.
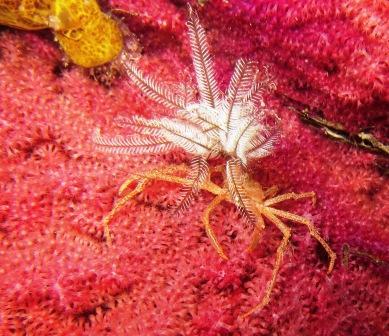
(162, 276)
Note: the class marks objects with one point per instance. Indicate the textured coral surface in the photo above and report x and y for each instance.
(162, 276)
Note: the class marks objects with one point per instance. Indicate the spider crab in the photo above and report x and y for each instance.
(232, 125)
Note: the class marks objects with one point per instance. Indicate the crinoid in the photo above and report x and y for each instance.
(232, 125)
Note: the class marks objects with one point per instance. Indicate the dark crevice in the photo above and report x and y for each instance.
(86, 316)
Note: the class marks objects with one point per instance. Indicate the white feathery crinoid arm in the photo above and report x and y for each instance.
(189, 137)
(147, 131)
(235, 183)
(140, 125)
(198, 174)
(205, 117)
(239, 86)
(151, 87)
(234, 114)
(202, 62)
(134, 144)
(262, 82)
(243, 138)
(261, 145)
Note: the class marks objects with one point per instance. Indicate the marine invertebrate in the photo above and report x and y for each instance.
(88, 36)
(173, 282)
(231, 125)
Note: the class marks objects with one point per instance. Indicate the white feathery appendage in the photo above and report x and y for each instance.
(202, 62)
(261, 83)
(152, 88)
(261, 146)
(140, 125)
(232, 125)
(238, 88)
(235, 184)
(133, 144)
(205, 117)
(188, 137)
(247, 131)
(231, 140)
(242, 80)
(198, 174)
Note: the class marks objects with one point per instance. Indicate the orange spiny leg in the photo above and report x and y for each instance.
(155, 174)
(279, 256)
(165, 174)
(209, 186)
(312, 230)
(270, 192)
(119, 205)
(126, 184)
(291, 195)
(208, 229)
(260, 225)
(151, 174)
(159, 174)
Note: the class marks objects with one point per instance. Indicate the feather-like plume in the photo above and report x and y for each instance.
(235, 183)
(261, 146)
(240, 84)
(191, 115)
(140, 125)
(202, 62)
(185, 90)
(134, 144)
(198, 174)
(189, 137)
(255, 94)
(215, 124)
(152, 88)
(246, 132)
(242, 79)
(205, 117)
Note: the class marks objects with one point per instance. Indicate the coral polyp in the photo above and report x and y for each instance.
(232, 126)
(161, 275)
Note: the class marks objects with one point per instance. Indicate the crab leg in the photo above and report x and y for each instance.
(260, 225)
(312, 230)
(280, 253)
(135, 177)
(119, 205)
(270, 192)
(208, 228)
(142, 181)
(160, 175)
(291, 195)
(163, 174)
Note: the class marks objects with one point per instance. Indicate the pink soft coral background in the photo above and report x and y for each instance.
(162, 277)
